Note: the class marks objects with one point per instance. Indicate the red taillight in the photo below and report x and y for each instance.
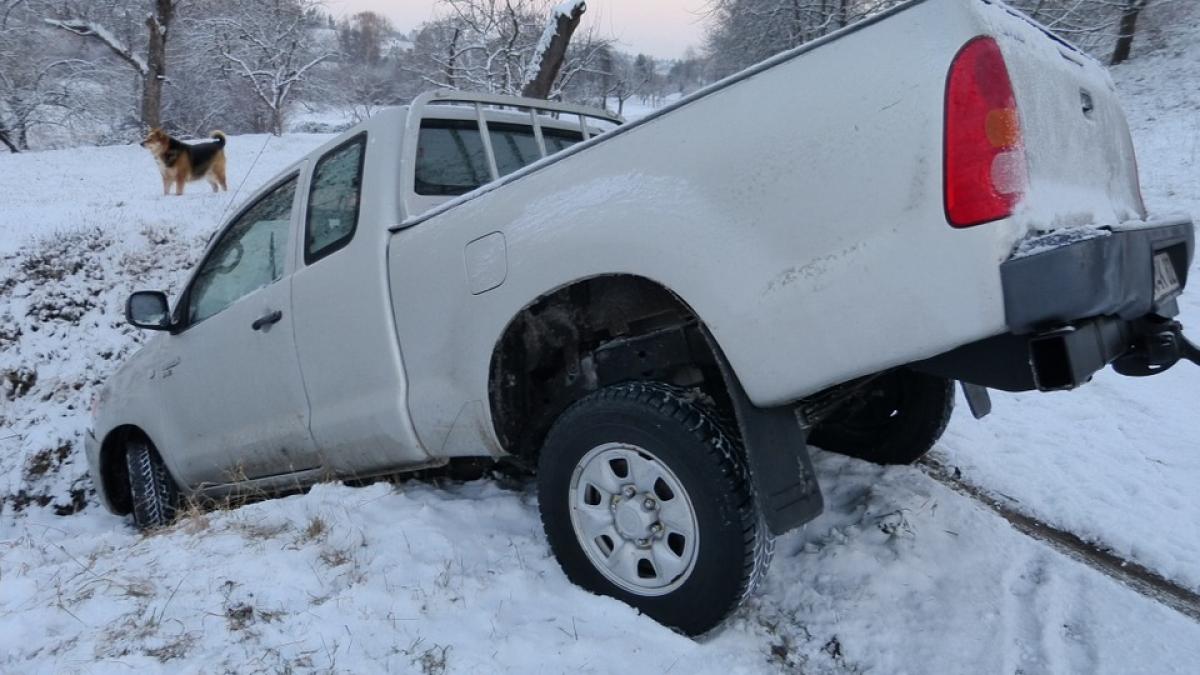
(985, 156)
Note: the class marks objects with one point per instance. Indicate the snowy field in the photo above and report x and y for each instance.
(900, 575)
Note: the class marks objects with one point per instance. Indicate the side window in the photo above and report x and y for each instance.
(450, 158)
(514, 146)
(250, 254)
(333, 200)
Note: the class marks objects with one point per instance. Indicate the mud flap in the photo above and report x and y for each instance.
(978, 398)
(777, 451)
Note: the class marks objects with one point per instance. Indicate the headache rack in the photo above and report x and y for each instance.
(539, 111)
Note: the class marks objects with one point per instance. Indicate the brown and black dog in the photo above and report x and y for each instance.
(180, 162)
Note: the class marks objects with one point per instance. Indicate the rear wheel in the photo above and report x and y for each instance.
(646, 498)
(153, 492)
(895, 419)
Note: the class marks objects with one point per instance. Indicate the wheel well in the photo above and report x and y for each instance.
(588, 335)
(113, 473)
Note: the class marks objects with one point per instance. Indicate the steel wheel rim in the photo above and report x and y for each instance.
(633, 519)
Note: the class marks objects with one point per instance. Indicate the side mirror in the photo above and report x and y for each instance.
(149, 310)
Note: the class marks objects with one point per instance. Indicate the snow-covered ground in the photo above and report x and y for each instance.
(118, 189)
(899, 575)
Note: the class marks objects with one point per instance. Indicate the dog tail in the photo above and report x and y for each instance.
(220, 136)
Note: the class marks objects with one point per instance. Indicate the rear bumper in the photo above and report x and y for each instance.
(1075, 304)
(1109, 275)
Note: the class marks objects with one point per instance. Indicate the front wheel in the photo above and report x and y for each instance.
(646, 498)
(153, 492)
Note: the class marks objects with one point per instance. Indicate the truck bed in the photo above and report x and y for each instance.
(796, 207)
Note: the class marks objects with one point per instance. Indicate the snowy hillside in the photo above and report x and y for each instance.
(901, 574)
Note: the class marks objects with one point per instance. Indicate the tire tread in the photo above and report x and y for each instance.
(153, 492)
(725, 452)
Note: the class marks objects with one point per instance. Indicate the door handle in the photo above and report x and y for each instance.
(267, 320)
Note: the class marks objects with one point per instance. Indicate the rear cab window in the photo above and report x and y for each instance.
(452, 159)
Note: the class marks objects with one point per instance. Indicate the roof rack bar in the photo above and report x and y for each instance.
(488, 152)
(537, 131)
(452, 96)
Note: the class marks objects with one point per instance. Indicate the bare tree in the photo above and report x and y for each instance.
(744, 32)
(623, 77)
(270, 46)
(36, 81)
(150, 63)
(364, 38)
(1105, 28)
(496, 45)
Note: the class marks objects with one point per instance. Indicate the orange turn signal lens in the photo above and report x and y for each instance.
(1003, 128)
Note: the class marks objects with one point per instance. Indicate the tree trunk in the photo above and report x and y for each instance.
(152, 84)
(8, 143)
(556, 52)
(1129, 17)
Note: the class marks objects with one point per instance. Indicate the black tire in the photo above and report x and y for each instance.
(734, 547)
(153, 493)
(895, 420)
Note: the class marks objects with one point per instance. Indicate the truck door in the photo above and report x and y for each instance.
(229, 378)
(345, 335)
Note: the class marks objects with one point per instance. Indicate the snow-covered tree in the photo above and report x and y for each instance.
(1106, 28)
(270, 46)
(744, 32)
(499, 46)
(148, 58)
(364, 38)
(37, 81)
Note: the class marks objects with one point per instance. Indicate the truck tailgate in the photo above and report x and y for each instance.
(1081, 163)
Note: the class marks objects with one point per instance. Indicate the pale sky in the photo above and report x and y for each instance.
(661, 28)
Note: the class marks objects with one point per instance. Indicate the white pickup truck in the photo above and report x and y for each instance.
(657, 317)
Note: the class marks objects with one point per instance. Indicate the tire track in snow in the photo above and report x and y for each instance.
(1136, 577)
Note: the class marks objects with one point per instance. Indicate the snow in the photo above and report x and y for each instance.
(900, 575)
(567, 8)
(1035, 244)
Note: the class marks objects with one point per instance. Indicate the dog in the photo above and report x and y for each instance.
(181, 162)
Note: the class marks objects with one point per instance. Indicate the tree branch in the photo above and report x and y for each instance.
(89, 29)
